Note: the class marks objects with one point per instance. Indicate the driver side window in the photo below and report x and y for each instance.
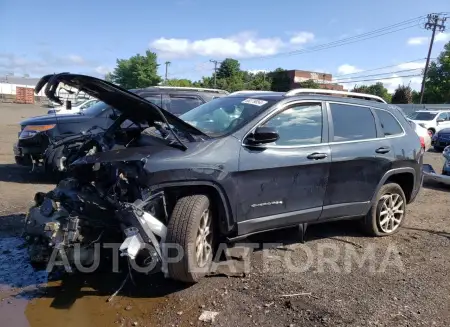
(300, 124)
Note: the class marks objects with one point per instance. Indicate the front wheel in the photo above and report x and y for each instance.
(191, 228)
(387, 213)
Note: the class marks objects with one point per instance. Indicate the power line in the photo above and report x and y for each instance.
(380, 68)
(342, 80)
(349, 40)
(435, 21)
(379, 79)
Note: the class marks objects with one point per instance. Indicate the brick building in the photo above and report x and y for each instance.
(324, 80)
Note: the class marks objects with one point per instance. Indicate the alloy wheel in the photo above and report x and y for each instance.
(203, 245)
(391, 212)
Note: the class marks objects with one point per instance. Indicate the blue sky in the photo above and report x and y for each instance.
(83, 36)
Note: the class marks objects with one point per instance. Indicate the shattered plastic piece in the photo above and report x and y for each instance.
(208, 316)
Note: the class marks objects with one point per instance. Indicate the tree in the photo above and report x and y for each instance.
(403, 94)
(375, 89)
(108, 77)
(228, 68)
(179, 82)
(309, 84)
(437, 82)
(137, 72)
(280, 80)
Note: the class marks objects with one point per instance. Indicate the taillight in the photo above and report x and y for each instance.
(422, 141)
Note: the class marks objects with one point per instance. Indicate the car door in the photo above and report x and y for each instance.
(442, 121)
(283, 183)
(360, 156)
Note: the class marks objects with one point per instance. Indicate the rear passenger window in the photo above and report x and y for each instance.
(352, 122)
(388, 123)
(181, 104)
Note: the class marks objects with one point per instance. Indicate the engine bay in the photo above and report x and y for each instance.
(107, 205)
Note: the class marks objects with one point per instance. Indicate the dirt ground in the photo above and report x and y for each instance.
(405, 283)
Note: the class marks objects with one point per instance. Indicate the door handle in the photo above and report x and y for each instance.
(317, 156)
(383, 149)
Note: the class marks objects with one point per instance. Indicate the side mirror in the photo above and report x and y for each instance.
(263, 135)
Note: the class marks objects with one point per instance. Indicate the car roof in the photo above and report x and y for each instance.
(183, 90)
(278, 96)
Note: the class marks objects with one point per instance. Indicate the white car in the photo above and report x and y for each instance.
(432, 120)
(76, 107)
(424, 135)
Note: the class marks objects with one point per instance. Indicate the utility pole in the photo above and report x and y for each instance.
(215, 62)
(167, 63)
(435, 21)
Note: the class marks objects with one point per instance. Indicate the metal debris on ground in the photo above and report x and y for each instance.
(208, 316)
(295, 294)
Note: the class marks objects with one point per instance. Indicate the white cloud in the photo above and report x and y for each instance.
(417, 40)
(302, 38)
(102, 70)
(242, 45)
(386, 76)
(347, 69)
(256, 71)
(43, 63)
(76, 59)
(412, 65)
(442, 37)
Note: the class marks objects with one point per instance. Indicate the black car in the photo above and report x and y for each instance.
(238, 165)
(37, 133)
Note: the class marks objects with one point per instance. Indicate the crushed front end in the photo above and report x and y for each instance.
(106, 206)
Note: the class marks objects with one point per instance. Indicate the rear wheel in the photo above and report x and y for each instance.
(387, 214)
(191, 228)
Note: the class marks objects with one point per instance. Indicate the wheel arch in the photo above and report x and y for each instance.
(405, 177)
(214, 190)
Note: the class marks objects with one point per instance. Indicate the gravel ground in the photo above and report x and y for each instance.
(402, 280)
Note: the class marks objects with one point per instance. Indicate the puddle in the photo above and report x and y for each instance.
(27, 299)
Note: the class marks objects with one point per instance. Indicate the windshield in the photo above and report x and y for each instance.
(95, 109)
(225, 115)
(421, 115)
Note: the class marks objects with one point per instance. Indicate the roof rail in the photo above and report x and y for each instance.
(333, 92)
(250, 91)
(191, 89)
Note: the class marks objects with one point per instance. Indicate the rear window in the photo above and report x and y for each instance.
(388, 123)
(180, 104)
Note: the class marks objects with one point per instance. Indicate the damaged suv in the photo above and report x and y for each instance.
(235, 166)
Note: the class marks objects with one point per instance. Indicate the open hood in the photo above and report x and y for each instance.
(133, 106)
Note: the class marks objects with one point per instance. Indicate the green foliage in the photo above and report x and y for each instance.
(108, 77)
(137, 72)
(375, 89)
(437, 82)
(403, 94)
(228, 68)
(178, 82)
(309, 84)
(280, 81)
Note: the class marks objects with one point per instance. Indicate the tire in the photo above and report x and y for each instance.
(438, 149)
(372, 223)
(51, 158)
(184, 227)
